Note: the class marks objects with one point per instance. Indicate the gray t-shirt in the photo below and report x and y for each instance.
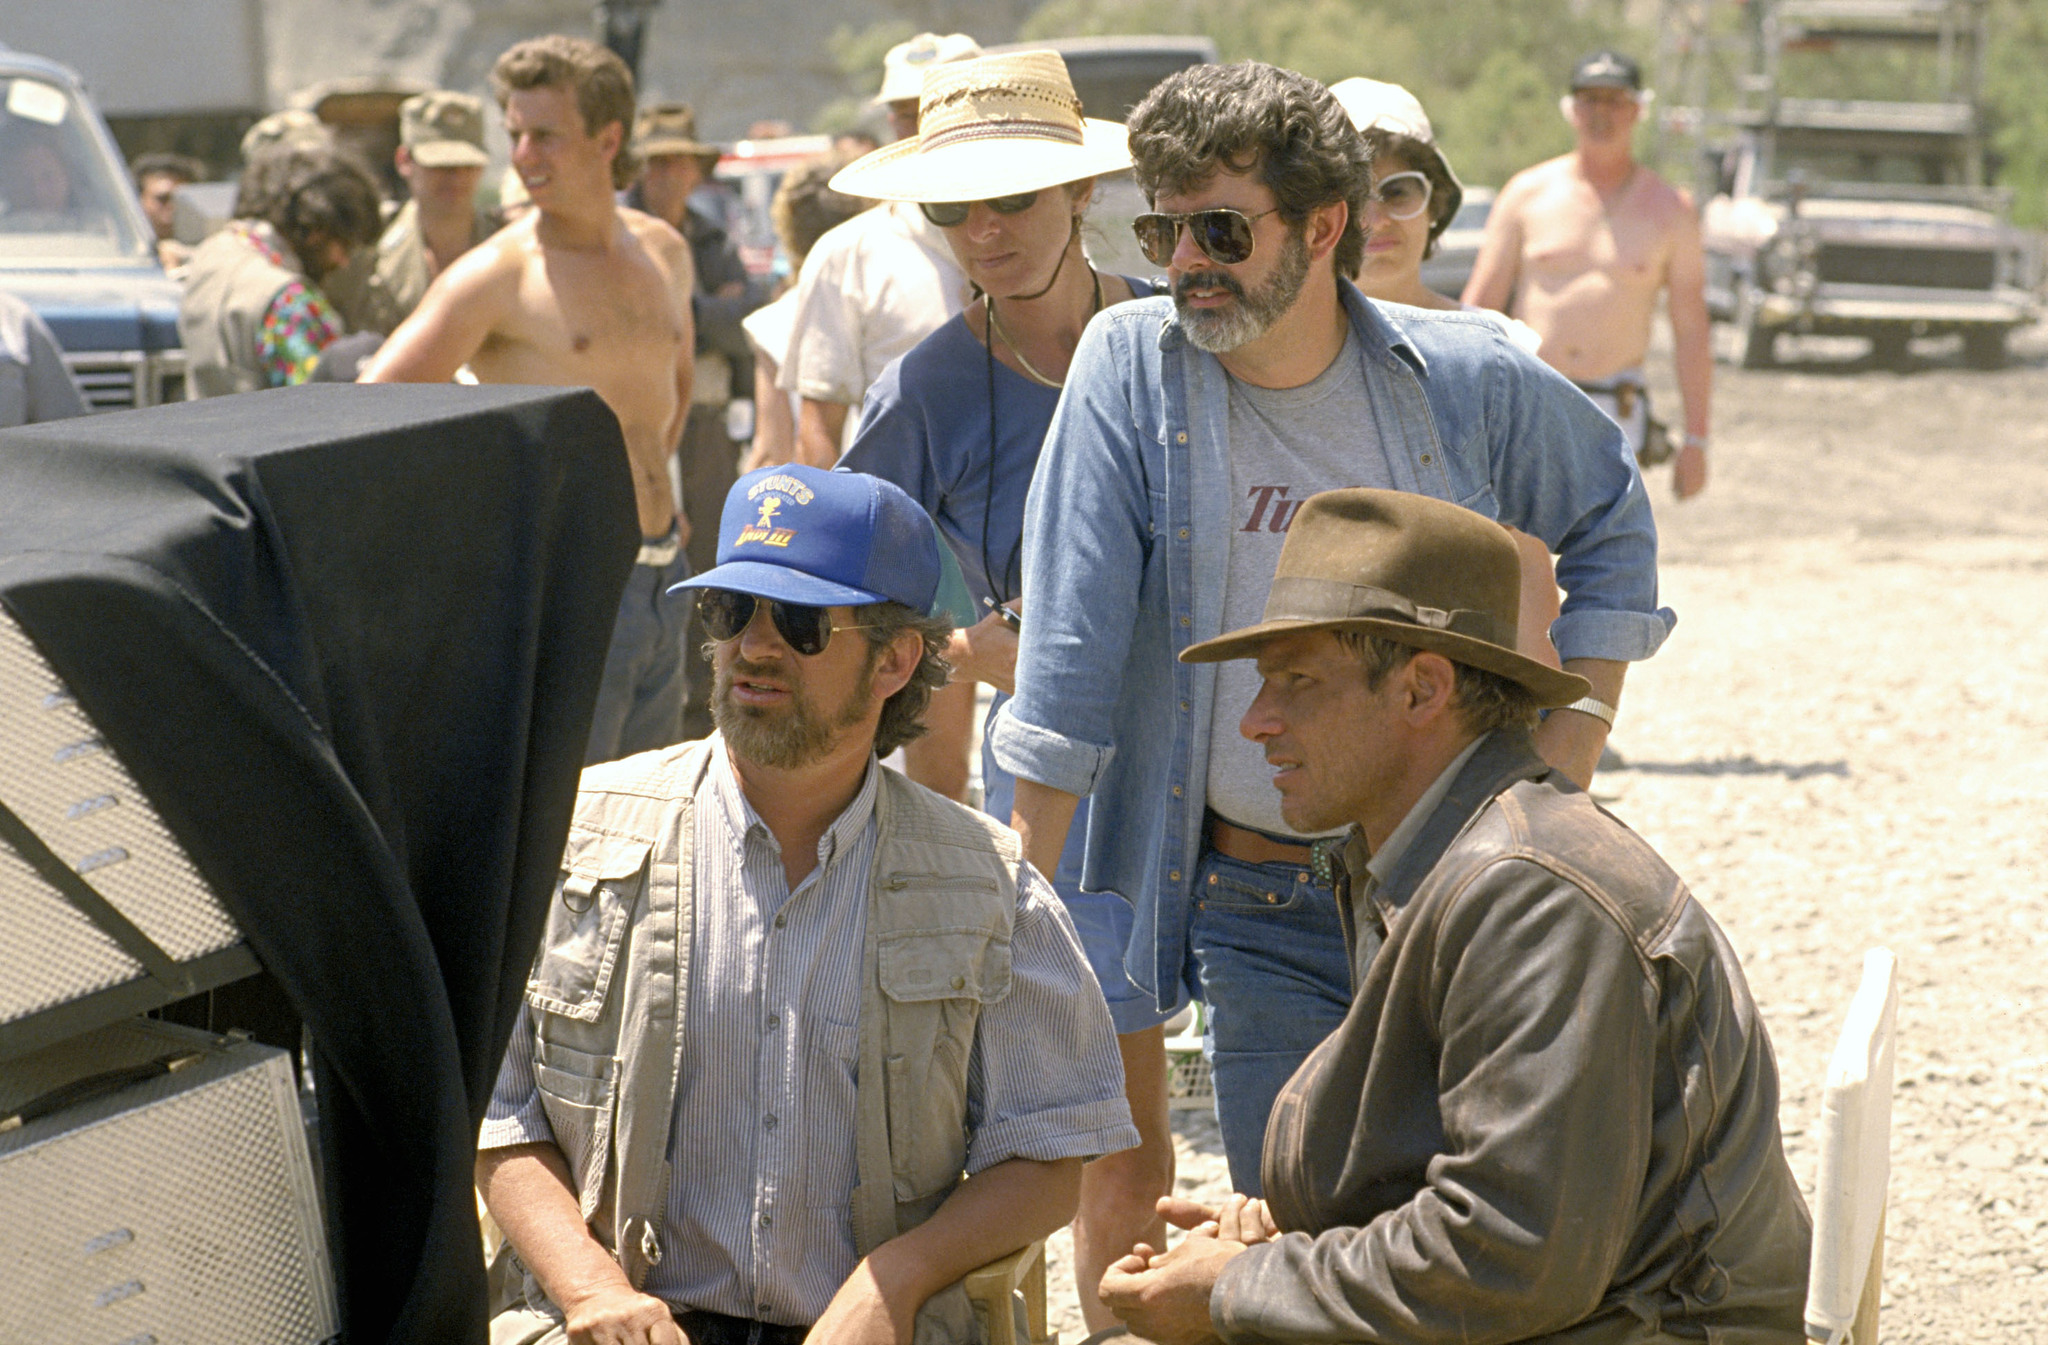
(1286, 444)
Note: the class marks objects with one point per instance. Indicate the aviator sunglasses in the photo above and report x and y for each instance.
(1402, 195)
(950, 214)
(1224, 235)
(805, 629)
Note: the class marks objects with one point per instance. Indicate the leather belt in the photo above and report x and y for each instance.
(1254, 847)
(661, 552)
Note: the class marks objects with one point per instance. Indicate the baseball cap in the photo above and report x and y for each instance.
(443, 130)
(1606, 69)
(821, 539)
(903, 68)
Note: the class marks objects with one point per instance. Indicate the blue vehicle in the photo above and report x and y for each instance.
(74, 243)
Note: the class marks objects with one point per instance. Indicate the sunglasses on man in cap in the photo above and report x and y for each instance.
(807, 630)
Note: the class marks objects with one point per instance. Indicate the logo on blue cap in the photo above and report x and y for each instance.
(804, 535)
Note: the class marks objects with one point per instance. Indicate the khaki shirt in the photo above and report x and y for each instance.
(400, 274)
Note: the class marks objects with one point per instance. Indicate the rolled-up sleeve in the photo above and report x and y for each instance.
(1563, 472)
(515, 1115)
(1045, 1081)
(1546, 1071)
(1087, 531)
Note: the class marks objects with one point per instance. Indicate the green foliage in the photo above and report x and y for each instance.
(2015, 109)
(1488, 71)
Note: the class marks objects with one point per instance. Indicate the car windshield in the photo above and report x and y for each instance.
(61, 199)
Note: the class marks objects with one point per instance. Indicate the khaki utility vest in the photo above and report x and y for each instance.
(229, 286)
(611, 985)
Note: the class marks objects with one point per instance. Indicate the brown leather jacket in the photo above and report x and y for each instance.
(1551, 1114)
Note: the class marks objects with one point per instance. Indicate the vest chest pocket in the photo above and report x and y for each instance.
(602, 878)
(936, 982)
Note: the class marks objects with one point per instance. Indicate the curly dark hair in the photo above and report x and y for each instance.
(1483, 701)
(1443, 193)
(309, 191)
(1255, 117)
(600, 80)
(903, 713)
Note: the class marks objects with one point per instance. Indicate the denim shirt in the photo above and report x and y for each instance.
(1127, 543)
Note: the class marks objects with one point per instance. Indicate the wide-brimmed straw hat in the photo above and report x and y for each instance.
(995, 126)
(1415, 569)
(1375, 105)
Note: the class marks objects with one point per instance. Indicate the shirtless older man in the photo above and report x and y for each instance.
(1581, 245)
(581, 292)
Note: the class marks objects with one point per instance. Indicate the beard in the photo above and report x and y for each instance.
(1220, 330)
(796, 735)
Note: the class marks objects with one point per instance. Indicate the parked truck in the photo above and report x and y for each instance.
(1867, 216)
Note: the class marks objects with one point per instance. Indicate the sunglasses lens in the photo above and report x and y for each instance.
(1404, 195)
(1013, 205)
(723, 612)
(804, 629)
(1225, 235)
(1156, 235)
(945, 214)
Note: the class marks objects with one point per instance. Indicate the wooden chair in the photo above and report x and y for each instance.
(1855, 1165)
(993, 1290)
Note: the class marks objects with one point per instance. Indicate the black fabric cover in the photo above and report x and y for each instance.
(348, 640)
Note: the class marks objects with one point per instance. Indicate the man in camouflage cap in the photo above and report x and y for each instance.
(441, 157)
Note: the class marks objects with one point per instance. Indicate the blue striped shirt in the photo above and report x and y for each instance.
(759, 1222)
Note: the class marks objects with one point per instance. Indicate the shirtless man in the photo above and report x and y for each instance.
(582, 293)
(1581, 244)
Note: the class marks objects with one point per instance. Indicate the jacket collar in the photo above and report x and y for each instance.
(1506, 758)
(1383, 338)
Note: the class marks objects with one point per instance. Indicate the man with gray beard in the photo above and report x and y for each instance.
(1189, 432)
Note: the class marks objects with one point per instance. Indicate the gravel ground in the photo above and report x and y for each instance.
(1839, 749)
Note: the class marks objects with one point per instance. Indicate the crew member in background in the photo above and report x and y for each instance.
(441, 157)
(254, 314)
(1579, 246)
(583, 293)
(675, 163)
(157, 179)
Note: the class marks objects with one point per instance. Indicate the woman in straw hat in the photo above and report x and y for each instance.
(1414, 196)
(1005, 164)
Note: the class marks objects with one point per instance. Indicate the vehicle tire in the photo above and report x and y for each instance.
(1759, 344)
(1888, 347)
(1984, 347)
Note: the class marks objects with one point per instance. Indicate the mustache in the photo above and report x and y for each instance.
(1206, 280)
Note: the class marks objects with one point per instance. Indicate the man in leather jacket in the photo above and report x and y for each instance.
(1551, 1113)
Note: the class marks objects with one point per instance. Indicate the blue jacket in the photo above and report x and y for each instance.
(1127, 543)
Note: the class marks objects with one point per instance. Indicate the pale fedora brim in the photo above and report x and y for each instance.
(990, 164)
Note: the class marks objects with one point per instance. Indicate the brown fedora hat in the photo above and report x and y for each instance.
(1411, 568)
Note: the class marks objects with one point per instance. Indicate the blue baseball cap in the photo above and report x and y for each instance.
(823, 539)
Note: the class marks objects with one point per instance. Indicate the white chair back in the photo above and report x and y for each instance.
(1855, 1164)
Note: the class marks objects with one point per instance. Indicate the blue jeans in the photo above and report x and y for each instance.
(1269, 948)
(640, 701)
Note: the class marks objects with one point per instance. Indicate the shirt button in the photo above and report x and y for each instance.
(768, 1121)
(1183, 534)
(767, 1221)
(781, 920)
(1426, 460)
(1184, 707)
(1183, 621)
(959, 982)
(1173, 877)
(1181, 438)
(1176, 791)
(774, 1021)
(761, 1308)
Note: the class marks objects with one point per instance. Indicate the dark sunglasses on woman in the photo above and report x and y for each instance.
(948, 214)
(805, 629)
(1223, 235)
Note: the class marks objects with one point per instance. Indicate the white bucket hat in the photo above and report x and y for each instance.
(903, 68)
(991, 127)
(1374, 105)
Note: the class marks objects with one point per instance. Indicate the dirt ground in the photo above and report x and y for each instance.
(1840, 748)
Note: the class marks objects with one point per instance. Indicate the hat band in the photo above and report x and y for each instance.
(1304, 598)
(1020, 129)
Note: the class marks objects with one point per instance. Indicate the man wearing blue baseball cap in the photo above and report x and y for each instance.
(786, 999)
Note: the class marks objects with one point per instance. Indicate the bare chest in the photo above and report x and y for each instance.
(1569, 232)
